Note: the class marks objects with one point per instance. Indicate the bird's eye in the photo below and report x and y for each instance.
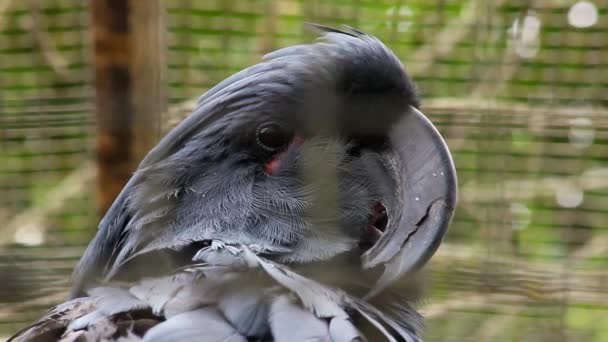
(272, 137)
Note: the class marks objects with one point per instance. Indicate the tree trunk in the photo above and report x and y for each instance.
(128, 53)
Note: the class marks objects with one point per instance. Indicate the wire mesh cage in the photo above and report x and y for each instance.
(518, 89)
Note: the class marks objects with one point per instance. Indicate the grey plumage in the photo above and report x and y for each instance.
(249, 298)
(219, 236)
(161, 208)
(204, 324)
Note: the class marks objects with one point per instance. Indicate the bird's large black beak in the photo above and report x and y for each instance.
(424, 206)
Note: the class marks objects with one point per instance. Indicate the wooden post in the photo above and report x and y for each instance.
(128, 52)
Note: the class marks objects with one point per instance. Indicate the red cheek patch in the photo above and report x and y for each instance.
(273, 165)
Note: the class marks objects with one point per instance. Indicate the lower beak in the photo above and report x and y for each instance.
(425, 202)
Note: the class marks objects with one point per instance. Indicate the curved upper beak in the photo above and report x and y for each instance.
(424, 204)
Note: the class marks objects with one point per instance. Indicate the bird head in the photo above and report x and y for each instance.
(318, 151)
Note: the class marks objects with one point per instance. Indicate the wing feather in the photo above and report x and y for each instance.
(291, 322)
(205, 324)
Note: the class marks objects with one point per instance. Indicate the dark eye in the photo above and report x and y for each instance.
(272, 137)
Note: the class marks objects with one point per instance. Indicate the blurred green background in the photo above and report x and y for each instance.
(518, 88)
